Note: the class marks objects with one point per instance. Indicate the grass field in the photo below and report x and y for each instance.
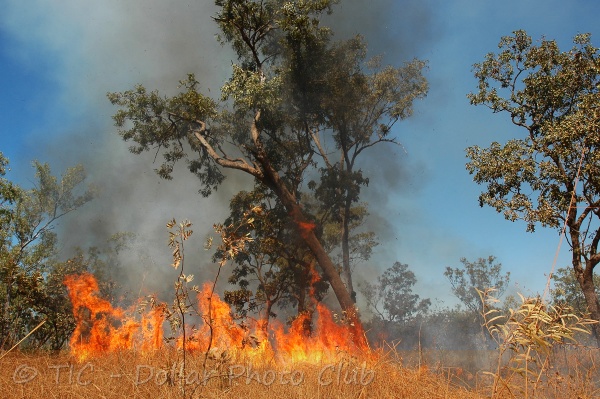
(159, 374)
(113, 355)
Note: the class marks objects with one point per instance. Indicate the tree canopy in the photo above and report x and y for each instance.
(392, 297)
(29, 291)
(279, 113)
(480, 275)
(549, 176)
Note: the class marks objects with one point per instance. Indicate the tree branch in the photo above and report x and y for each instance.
(317, 142)
(238, 163)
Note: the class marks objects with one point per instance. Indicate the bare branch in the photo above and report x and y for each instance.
(237, 163)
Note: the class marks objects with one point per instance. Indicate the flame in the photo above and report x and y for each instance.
(306, 228)
(102, 329)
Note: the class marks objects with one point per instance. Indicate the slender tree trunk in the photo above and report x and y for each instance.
(586, 281)
(585, 277)
(5, 333)
(264, 323)
(346, 248)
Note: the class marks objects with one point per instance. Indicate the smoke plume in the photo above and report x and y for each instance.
(87, 49)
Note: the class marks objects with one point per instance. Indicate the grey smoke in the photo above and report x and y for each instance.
(111, 45)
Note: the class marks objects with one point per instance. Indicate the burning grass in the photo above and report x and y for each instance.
(117, 353)
(157, 374)
(102, 328)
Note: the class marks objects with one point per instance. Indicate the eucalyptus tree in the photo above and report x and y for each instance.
(278, 102)
(277, 269)
(550, 175)
(375, 99)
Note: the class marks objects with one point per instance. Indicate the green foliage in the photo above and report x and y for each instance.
(28, 245)
(9, 193)
(360, 241)
(554, 96)
(476, 276)
(276, 268)
(392, 297)
(166, 123)
(53, 305)
(277, 113)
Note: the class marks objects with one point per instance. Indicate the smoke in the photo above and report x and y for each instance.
(398, 30)
(90, 48)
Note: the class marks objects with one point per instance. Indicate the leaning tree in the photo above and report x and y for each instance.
(551, 174)
(276, 105)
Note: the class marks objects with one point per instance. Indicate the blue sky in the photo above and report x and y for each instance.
(59, 59)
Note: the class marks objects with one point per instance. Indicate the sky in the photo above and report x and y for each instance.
(58, 59)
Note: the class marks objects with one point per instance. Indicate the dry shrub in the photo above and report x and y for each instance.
(528, 339)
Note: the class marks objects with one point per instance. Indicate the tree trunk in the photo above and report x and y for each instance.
(305, 228)
(335, 280)
(272, 179)
(586, 281)
(585, 277)
(264, 322)
(346, 249)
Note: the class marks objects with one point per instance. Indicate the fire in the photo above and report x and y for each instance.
(306, 227)
(102, 328)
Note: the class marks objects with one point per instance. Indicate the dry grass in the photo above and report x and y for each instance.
(127, 375)
(130, 374)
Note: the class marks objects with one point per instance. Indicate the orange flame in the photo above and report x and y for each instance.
(100, 328)
(306, 228)
(104, 329)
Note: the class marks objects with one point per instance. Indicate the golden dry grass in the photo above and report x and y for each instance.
(131, 374)
(135, 375)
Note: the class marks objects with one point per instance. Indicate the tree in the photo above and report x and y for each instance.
(479, 275)
(276, 268)
(354, 121)
(566, 289)
(551, 175)
(392, 297)
(52, 305)
(276, 103)
(28, 242)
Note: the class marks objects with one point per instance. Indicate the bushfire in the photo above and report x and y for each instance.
(102, 328)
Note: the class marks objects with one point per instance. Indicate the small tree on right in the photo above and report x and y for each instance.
(549, 176)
